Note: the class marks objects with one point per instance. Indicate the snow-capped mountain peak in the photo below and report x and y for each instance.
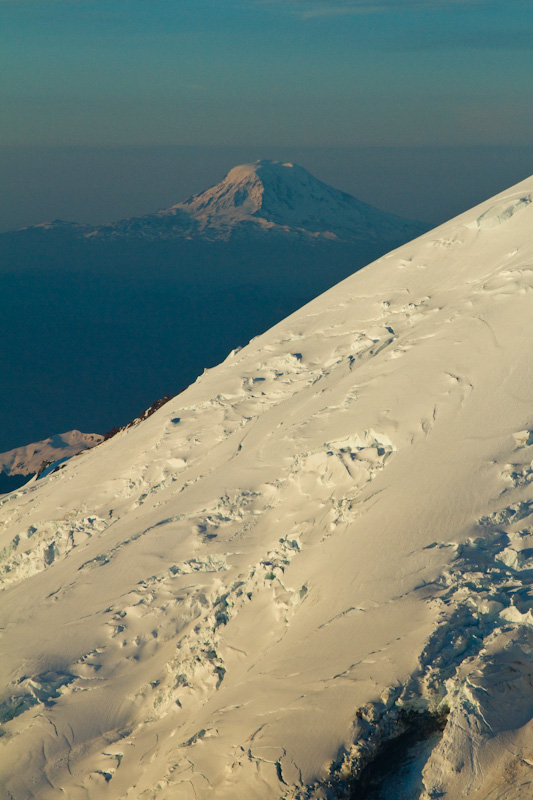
(268, 189)
(282, 199)
(277, 198)
(278, 193)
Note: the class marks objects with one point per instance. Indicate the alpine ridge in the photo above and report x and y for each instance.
(310, 574)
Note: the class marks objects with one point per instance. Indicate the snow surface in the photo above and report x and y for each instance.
(238, 597)
(28, 459)
(268, 197)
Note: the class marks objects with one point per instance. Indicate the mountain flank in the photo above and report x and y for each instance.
(309, 575)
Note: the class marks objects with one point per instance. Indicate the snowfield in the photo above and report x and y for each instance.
(323, 545)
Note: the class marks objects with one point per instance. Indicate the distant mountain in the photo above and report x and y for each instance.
(28, 460)
(267, 197)
(21, 463)
(97, 321)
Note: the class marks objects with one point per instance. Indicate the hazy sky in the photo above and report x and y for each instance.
(94, 93)
(272, 72)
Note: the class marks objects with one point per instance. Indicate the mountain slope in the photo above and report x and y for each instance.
(322, 544)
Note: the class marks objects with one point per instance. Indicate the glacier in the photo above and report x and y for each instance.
(323, 543)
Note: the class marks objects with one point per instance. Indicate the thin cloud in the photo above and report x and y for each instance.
(308, 9)
(305, 9)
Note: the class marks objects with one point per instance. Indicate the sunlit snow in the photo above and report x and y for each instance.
(324, 538)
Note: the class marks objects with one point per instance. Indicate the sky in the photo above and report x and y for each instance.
(256, 75)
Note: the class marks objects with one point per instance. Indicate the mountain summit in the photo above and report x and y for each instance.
(269, 197)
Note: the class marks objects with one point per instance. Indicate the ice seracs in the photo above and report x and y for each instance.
(323, 545)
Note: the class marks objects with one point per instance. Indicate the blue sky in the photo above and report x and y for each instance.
(266, 72)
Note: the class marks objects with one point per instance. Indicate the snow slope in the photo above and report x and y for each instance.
(321, 543)
(268, 197)
(28, 459)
